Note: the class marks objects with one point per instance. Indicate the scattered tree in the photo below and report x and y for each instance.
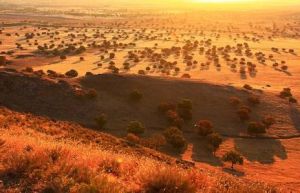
(233, 157)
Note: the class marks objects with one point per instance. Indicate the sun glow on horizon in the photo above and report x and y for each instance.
(221, 1)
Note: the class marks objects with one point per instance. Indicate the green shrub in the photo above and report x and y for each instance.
(135, 127)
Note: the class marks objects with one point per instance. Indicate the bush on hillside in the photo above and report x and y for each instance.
(71, 73)
(174, 136)
(204, 128)
(135, 127)
(167, 181)
(174, 119)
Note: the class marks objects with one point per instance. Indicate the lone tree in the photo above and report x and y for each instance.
(215, 141)
(233, 157)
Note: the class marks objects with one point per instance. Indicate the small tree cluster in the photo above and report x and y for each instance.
(174, 136)
(287, 93)
(177, 114)
(174, 119)
(204, 128)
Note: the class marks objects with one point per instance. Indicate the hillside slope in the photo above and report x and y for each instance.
(57, 99)
(42, 155)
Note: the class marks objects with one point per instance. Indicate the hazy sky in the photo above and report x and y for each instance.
(171, 3)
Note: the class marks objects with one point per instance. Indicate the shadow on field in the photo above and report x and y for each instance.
(295, 116)
(202, 153)
(263, 151)
(233, 172)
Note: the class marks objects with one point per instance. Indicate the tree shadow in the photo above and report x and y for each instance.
(202, 153)
(233, 172)
(77, 62)
(295, 116)
(263, 151)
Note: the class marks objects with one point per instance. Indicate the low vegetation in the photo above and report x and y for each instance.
(175, 137)
(135, 127)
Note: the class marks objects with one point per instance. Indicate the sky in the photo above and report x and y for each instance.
(171, 3)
